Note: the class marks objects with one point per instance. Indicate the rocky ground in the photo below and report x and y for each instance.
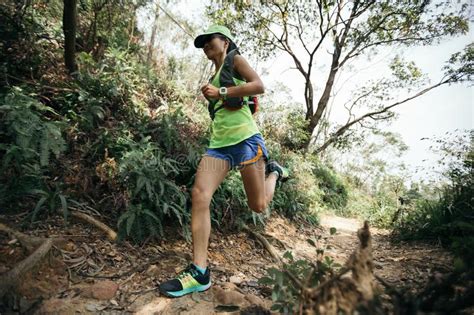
(87, 274)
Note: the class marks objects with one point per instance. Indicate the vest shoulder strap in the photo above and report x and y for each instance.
(227, 72)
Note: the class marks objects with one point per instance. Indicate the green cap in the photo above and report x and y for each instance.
(214, 29)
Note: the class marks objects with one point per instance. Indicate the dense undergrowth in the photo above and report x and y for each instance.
(118, 135)
(124, 136)
(448, 216)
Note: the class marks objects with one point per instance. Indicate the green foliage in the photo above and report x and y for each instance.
(147, 175)
(34, 136)
(334, 191)
(107, 25)
(283, 120)
(300, 196)
(460, 66)
(381, 205)
(139, 223)
(297, 135)
(22, 41)
(286, 293)
(405, 71)
(28, 137)
(450, 217)
(112, 84)
(50, 200)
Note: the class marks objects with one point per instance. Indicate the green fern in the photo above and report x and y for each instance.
(51, 201)
(29, 136)
(139, 223)
(148, 174)
(33, 135)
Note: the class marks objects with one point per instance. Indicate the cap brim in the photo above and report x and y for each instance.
(201, 40)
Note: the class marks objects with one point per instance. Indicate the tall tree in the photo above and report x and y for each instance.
(347, 30)
(151, 45)
(69, 28)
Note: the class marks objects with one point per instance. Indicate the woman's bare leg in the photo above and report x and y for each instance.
(210, 174)
(258, 189)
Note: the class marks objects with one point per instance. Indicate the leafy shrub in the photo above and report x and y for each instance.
(147, 175)
(139, 223)
(335, 194)
(297, 135)
(28, 138)
(379, 208)
(285, 293)
(114, 82)
(300, 196)
(33, 135)
(52, 200)
(450, 217)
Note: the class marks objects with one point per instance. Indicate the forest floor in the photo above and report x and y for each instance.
(87, 274)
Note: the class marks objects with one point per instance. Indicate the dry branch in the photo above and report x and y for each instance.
(111, 234)
(273, 252)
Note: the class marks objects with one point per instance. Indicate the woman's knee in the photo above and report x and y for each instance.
(200, 196)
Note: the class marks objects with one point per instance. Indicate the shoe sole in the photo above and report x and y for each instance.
(186, 291)
(283, 179)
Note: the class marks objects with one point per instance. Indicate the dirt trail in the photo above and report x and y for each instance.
(237, 261)
(403, 264)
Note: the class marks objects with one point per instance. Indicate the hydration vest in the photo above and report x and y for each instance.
(226, 78)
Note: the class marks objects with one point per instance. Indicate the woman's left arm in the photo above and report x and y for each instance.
(254, 84)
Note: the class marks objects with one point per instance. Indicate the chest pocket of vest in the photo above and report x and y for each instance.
(226, 78)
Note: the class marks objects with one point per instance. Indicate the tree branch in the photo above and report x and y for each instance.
(373, 115)
(172, 18)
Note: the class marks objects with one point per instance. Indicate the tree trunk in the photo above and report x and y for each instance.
(69, 28)
(151, 47)
(339, 42)
(315, 118)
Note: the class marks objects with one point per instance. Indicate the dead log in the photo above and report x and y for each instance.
(11, 278)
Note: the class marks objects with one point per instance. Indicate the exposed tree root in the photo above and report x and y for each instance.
(27, 241)
(10, 278)
(135, 269)
(39, 248)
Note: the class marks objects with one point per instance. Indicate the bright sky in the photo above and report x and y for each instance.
(442, 110)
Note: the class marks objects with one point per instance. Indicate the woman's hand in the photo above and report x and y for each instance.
(210, 91)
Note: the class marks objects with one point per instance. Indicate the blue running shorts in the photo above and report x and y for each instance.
(243, 153)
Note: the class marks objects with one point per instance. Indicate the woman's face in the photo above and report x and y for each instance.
(215, 46)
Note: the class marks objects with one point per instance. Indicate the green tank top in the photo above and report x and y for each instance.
(231, 126)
